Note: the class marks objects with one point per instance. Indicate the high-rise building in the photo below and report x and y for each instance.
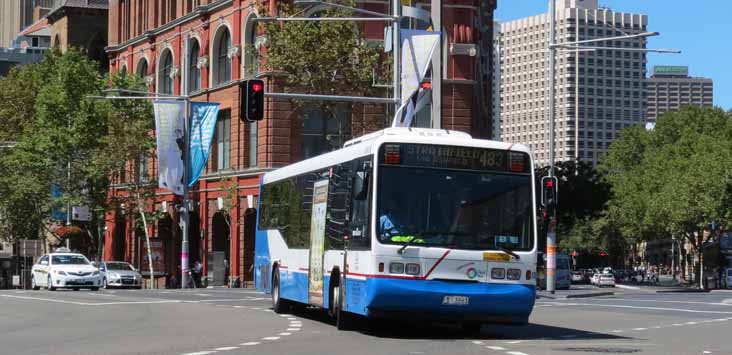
(598, 92)
(16, 15)
(671, 87)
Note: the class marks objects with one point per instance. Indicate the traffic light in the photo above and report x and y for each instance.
(252, 100)
(549, 191)
(603, 254)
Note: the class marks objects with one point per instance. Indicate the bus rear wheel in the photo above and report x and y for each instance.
(279, 305)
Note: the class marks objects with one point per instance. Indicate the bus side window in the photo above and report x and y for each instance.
(360, 193)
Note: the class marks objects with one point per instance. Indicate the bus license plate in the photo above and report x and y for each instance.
(455, 300)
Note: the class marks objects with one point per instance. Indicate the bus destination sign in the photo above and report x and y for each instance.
(454, 157)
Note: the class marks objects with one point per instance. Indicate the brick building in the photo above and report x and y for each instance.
(198, 48)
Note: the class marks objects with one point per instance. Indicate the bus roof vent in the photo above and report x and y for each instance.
(409, 132)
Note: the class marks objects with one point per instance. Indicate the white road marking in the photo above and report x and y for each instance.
(292, 318)
(166, 292)
(677, 324)
(285, 333)
(285, 315)
(251, 343)
(514, 342)
(516, 353)
(203, 294)
(616, 331)
(201, 353)
(477, 342)
(495, 347)
(227, 348)
(270, 338)
(656, 327)
(627, 287)
(663, 301)
(691, 323)
(292, 329)
(706, 352)
(640, 328)
(90, 304)
(648, 308)
(238, 306)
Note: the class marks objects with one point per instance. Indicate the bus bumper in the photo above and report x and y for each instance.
(425, 299)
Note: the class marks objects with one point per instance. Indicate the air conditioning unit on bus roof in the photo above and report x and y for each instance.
(408, 131)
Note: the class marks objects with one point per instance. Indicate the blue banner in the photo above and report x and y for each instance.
(203, 123)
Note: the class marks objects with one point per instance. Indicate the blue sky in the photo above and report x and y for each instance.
(700, 29)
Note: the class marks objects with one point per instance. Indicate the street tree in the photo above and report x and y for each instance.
(675, 179)
(324, 57)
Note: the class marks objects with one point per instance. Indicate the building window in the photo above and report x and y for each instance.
(253, 127)
(324, 130)
(142, 68)
(222, 64)
(194, 74)
(223, 140)
(251, 60)
(165, 80)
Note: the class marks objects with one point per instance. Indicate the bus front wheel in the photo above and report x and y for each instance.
(278, 304)
(343, 320)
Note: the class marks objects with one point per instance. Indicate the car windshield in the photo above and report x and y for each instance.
(455, 208)
(69, 260)
(119, 266)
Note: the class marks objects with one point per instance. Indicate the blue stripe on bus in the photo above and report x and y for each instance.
(423, 296)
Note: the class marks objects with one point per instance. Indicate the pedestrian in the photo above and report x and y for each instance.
(197, 270)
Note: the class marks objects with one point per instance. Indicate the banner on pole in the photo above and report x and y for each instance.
(170, 139)
(203, 123)
(417, 49)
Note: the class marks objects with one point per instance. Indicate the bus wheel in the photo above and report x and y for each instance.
(343, 319)
(278, 304)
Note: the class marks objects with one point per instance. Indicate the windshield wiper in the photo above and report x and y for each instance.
(427, 233)
(509, 252)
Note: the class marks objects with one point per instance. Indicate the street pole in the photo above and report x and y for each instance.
(551, 236)
(436, 13)
(184, 221)
(100, 230)
(397, 48)
(673, 258)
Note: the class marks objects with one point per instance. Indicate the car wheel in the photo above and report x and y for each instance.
(278, 304)
(104, 283)
(33, 284)
(49, 284)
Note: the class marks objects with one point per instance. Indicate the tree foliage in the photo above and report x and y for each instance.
(675, 179)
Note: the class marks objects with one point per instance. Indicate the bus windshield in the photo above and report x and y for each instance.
(461, 209)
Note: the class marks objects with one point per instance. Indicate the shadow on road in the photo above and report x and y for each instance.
(406, 329)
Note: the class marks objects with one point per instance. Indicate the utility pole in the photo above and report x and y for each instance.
(397, 48)
(436, 13)
(551, 235)
(185, 217)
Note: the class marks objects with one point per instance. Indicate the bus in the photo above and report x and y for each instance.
(403, 222)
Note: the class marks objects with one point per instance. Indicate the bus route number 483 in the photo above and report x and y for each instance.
(455, 300)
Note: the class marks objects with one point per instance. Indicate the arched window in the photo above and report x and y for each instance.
(123, 71)
(166, 82)
(194, 74)
(222, 63)
(142, 68)
(251, 60)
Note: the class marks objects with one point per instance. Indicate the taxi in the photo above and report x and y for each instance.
(64, 269)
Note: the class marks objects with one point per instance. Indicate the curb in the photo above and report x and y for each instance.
(683, 290)
(721, 291)
(579, 295)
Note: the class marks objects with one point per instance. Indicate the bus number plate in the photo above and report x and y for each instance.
(455, 300)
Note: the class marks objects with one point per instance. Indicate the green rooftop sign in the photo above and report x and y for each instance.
(670, 70)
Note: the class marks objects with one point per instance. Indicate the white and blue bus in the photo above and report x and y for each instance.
(416, 222)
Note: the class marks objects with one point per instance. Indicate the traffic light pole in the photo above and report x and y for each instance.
(184, 215)
(551, 235)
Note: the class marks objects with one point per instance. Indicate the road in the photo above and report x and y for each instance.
(236, 321)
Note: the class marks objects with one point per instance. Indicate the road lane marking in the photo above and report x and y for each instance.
(691, 323)
(285, 334)
(640, 328)
(663, 301)
(516, 353)
(514, 342)
(203, 294)
(200, 353)
(498, 348)
(89, 304)
(648, 308)
(477, 342)
(227, 348)
(270, 338)
(292, 329)
(251, 343)
(616, 331)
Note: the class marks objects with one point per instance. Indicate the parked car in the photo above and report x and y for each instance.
(594, 278)
(63, 269)
(606, 279)
(577, 277)
(119, 274)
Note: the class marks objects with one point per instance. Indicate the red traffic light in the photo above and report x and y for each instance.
(548, 183)
(257, 87)
(603, 254)
(426, 85)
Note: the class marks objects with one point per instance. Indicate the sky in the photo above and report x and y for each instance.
(700, 29)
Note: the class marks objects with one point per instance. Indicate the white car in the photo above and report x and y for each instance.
(593, 279)
(65, 270)
(606, 280)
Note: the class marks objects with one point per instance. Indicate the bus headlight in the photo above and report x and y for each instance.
(396, 268)
(513, 274)
(498, 273)
(412, 269)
